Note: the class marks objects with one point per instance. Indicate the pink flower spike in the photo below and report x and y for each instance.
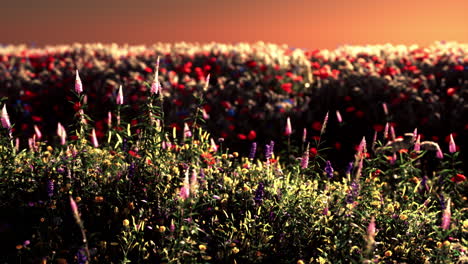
(5, 118)
(324, 126)
(385, 108)
(109, 119)
(207, 83)
(37, 132)
(94, 138)
(305, 158)
(338, 117)
(417, 145)
(119, 99)
(415, 133)
(187, 132)
(213, 146)
(185, 189)
(371, 229)
(17, 144)
(439, 154)
(304, 135)
(392, 133)
(288, 129)
(78, 84)
(452, 146)
(446, 215)
(155, 85)
(385, 133)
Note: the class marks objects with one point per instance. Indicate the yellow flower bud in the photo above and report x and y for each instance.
(388, 253)
(126, 222)
(403, 217)
(235, 250)
(162, 229)
(446, 243)
(202, 248)
(300, 261)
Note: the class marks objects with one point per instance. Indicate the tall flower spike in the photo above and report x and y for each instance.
(155, 85)
(109, 119)
(324, 126)
(94, 138)
(304, 135)
(452, 146)
(417, 145)
(338, 116)
(78, 84)
(207, 83)
(385, 133)
(371, 234)
(288, 129)
(305, 158)
(185, 189)
(187, 132)
(5, 118)
(38, 133)
(119, 99)
(446, 215)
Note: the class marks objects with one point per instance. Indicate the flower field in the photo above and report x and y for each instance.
(233, 154)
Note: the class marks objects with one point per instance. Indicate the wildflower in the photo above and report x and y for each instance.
(235, 250)
(439, 153)
(446, 216)
(324, 126)
(349, 168)
(385, 108)
(304, 135)
(94, 138)
(162, 229)
(50, 188)
(119, 99)
(338, 117)
(194, 182)
(288, 129)
(253, 150)
(305, 158)
(300, 262)
(458, 178)
(403, 217)
(74, 209)
(5, 119)
(385, 135)
(155, 87)
(38, 133)
(185, 190)
(388, 253)
(78, 84)
(447, 243)
(202, 248)
(329, 169)
(452, 146)
(126, 223)
(207, 83)
(187, 132)
(259, 193)
(417, 145)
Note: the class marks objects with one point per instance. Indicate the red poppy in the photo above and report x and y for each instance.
(458, 178)
(287, 87)
(252, 135)
(317, 126)
(451, 91)
(133, 154)
(241, 136)
(313, 152)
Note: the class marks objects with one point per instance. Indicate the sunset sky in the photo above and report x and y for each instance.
(298, 23)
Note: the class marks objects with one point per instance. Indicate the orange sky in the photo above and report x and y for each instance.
(298, 23)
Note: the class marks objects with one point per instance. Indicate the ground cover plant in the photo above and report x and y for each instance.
(146, 192)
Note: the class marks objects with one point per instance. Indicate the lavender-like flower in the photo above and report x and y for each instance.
(94, 138)
(452, 146)
(155, 85)
(269, 150)
(417, 145)
(288, 128)
(353, 193)
(50, 188)
(349, 168)
(38, 133)
(338, 117)
(131, 170)
(5, 118)
(119, 99)
(446, 215)
(304, 135)
(259, 193)
(253, 150)
(305, 158)
(324, 126)
(78, 84)
(329, 169)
